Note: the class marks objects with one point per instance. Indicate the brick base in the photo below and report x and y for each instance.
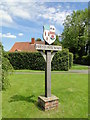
(48, 103)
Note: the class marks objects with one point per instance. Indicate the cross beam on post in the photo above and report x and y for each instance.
(48, 58)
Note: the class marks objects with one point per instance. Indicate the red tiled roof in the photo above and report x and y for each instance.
(25, 46)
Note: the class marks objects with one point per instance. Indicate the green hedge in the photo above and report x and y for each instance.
(70, 60)
(27, 60)
(61, 61)
(35, 61)
(84, 60)
(6, 68)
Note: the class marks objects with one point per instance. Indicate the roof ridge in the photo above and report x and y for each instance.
(22, 42)
(25, 46)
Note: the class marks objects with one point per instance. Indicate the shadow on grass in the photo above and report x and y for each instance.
(29, 99)
(22, 98)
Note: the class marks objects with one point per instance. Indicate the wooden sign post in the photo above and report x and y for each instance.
(48, 101)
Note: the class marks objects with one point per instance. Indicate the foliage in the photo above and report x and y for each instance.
(38, 39)
(6, 67)
(27, 60)
(57, 41)
(70, 60)
(75, 35)
(61, 61)
(85, 60)
(35, 61)
(0, 66)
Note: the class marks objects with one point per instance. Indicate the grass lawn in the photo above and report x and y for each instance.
(79, 67)
(25, 70)
(74, 67)
(20, 100)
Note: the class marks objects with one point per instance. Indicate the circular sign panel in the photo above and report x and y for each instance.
(49, 33)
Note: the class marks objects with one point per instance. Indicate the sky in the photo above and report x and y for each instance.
(20, 21)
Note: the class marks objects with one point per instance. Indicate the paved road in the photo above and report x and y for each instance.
(57, 72)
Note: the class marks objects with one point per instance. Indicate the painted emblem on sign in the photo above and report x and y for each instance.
(49, 33)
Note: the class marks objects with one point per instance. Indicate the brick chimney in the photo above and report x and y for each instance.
(32, 40)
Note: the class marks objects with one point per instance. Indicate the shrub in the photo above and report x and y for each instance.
(70, 60)
(35, 61)
(0, 68)
(6, 67)
(85, 60)
(27, 60)
(61, 61)
(76, 58)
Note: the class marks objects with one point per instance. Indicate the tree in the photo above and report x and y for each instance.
(6, 67)
(57, 42)
(38, 39)
(75, 34)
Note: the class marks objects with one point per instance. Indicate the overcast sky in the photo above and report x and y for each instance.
(20, 21)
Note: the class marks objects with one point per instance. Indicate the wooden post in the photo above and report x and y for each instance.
(48, 74)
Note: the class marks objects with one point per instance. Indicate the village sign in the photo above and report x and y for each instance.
(48, 101)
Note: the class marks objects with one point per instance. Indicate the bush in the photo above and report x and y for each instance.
(61, 61)
(85, 60)
(35, 61)
(0, 68)
(70, 60)
(27, 60)
(6, 66)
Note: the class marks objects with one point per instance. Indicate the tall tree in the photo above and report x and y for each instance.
(75, 34)
(57, 41)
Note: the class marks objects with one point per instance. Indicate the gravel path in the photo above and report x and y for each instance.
(79, 71)
(57, 72)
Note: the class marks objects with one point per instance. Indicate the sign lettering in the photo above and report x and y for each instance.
(48, 47)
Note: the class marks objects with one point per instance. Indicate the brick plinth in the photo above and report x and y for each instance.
(48, 103)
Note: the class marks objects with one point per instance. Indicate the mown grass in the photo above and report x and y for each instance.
(79, 67)
(74, 67)
(25, 70)
(20, 100)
